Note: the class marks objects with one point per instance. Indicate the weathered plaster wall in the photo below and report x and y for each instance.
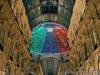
(15, 36)
(85, 48)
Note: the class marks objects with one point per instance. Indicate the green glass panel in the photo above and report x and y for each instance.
(38, 39)
(36, 32)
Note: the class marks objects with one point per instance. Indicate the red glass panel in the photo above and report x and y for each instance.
(62, 40)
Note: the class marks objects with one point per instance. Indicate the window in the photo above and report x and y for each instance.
(17, 65)
(18, 56)
(86, 51)
(86, 57)
(85, 48)
(49, 6)
(34, 69)
(2, 35)
(31, 74)
(1, 47)
(99, 64)
(7, 72)
(11, 58)
(22, 70)
(80, 65)
(95, 46)
(11, 48)
(73, 41)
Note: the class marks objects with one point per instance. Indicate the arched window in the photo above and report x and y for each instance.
(2, 35)
(99, 65)
(7, 71)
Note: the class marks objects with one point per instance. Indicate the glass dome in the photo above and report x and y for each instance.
(49, 45)
(49, 39)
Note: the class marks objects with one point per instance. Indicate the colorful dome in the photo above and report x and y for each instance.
(49, 39)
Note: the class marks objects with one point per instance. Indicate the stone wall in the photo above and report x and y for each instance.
(85, 48)
(78, 11)
(15, 36)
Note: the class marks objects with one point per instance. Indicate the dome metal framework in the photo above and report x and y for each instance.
(47, 11)
(41, 11)
(50, 66)
(49, 47)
